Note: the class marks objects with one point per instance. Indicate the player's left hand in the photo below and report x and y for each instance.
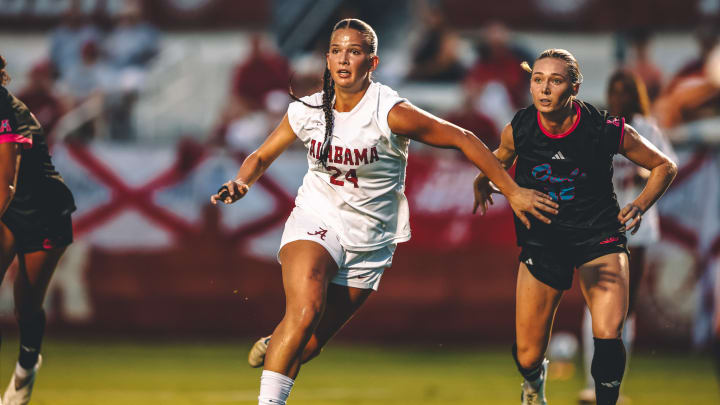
(628, 213)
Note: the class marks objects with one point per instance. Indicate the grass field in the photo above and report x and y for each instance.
(109, 373)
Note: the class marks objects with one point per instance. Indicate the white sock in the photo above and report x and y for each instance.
(274, 388)
(21, 372)
(588, 346)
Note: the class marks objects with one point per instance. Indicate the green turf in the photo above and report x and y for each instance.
(109, 373)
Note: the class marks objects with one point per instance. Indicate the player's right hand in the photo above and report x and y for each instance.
(230, 192)
(532, 201)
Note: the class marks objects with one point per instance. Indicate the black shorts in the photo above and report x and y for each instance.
(555, 265)
(41, 221)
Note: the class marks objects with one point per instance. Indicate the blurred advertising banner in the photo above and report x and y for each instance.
(168, 14)
(153, 256)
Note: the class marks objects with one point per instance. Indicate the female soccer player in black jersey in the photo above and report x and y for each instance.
(564, 147)
(35, 206)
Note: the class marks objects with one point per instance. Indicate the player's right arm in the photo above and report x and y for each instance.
(482, 187)
(257, 162)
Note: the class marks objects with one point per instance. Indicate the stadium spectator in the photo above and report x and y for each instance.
(130, 48)
(707, 38)
(83, 83)
(259, 74)
(642, 65)
(565, 147)
(67, 40)
(40, 97)
(349, 216)
(133, 42)
(436, 59)
(499, 61)
(694, 97)
(254, 81)
(91, 76)
(472, 118)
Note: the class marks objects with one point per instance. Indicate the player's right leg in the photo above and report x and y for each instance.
(341, 304)
(307, 269)
(535, 305)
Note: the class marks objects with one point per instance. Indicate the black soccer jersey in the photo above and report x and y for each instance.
(574, 168)
(38, 183)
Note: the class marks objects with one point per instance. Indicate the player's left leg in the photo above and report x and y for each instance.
(31, 283)
(605, 285)
(637, 269)
(342, 303)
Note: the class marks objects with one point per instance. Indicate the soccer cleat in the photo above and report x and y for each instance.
(21, 395)
(256, 357)
(535, 396)
(587, 396)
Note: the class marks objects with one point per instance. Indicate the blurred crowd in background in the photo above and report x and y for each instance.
(97, 67)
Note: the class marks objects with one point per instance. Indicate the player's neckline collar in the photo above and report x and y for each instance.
(357, 106)
(566, 133)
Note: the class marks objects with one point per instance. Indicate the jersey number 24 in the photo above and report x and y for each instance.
(350, 176)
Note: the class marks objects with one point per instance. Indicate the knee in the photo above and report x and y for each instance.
(528, 356)
(609, 330)
(304, 315)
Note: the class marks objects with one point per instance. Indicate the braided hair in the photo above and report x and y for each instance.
(329, 85)
(4, 76)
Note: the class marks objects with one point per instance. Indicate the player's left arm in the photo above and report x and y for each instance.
(9, 168)
(662, 172)
(409, 121)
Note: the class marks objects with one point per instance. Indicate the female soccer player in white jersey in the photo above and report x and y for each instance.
(565, 148)
(351, 210)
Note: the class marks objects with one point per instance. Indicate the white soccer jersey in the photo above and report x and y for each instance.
(627, 190)
(361, 192)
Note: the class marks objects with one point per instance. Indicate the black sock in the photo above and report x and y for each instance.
(608, 367)
(530, 374)
(32, 330)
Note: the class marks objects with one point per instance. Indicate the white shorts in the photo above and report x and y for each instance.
(357, 269)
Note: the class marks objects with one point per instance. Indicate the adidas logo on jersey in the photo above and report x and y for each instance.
(529, 261)
(559, 156)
